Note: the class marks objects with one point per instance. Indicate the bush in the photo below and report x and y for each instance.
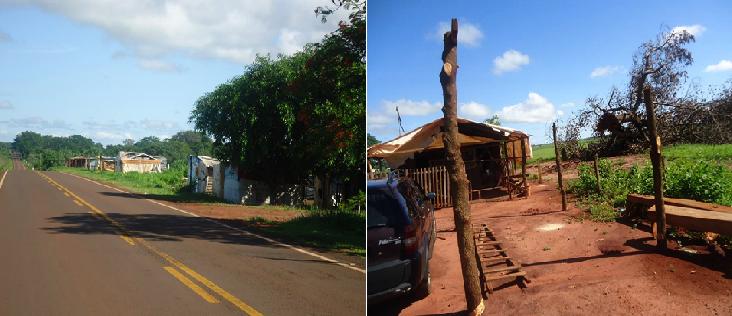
(697, 180)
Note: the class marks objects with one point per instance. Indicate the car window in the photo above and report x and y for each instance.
(413, 196)
(383, 209)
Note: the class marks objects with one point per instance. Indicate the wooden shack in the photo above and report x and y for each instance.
(494, 156)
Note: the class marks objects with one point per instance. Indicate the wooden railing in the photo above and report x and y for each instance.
(433, 179)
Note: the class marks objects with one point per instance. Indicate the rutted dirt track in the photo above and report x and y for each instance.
(569, 273)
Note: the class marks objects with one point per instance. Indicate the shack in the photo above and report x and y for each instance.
(201, 173)
(78, 162)
(495, 158)
(137, 162)
(108, 163)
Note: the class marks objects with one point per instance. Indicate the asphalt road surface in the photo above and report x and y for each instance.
(72, 247)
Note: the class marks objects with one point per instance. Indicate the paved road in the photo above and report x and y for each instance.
(72, 247)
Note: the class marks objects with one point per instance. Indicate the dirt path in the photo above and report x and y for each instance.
(569, 273)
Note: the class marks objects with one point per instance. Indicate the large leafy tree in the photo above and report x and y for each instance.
(289, 117)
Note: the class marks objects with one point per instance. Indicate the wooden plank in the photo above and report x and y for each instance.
(493, 259)
(696, 219)
(482, 251)
(504, 276)
(504, 269)
(648, 201)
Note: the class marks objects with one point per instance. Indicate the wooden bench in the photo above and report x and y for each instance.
(638, 204)
(695, 219)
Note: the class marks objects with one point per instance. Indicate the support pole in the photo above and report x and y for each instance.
(456, 172)
(656, 161)
(559, 168)
(523, 167)
(538, 168)
(597, 175)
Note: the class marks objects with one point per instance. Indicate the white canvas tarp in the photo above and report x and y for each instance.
(429, 137)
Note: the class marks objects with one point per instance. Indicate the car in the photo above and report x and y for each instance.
(401, 233)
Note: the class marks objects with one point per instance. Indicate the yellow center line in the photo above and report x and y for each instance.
(193, 286)
(78, 203)
(200, 278)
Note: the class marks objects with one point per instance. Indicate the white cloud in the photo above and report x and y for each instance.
(233, 30)
(158, 65)
(695, 29)
(474, 110)
(535, 109)
(6, 105)
(468, 34)
(604, 71)
(723, 65)
(411, 108)
(511, 60)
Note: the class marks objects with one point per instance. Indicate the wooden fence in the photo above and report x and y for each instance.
(433, 179)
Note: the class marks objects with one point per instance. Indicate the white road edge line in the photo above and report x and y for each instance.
(270, 240)
(3, 179)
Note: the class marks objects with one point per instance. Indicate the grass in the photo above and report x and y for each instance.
(5, 163)
(542, 153)
(329, 230)
(169, 185)
(716, 153)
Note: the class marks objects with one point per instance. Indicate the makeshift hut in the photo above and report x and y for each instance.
(108, 163)
(201, 173)
(77, 162)
(494, 157)
(138, 162)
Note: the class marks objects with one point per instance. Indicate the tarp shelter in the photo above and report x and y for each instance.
(201, 173)
(138, 162)
(492, 153)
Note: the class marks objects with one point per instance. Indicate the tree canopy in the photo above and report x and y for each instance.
(288, 117)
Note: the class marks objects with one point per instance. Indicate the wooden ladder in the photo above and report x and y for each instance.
(494, 261)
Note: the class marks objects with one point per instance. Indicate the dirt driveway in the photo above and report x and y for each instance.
(569, 273)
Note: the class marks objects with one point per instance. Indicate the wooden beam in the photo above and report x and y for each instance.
(695, 219)
(649, 200)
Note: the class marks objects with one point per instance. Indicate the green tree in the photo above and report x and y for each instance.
(494, 120)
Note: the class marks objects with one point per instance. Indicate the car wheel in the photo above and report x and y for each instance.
(425, 287)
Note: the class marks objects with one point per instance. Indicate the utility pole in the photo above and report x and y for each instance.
(656, 161)
(456, 171)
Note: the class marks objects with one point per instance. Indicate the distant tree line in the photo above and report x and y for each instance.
(46, 151)
(287, 118)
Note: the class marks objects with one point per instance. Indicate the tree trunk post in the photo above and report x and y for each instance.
(538, 168)
(559, 168)
(457, 175)
(523, 167)
(597, 175)
(656, 161)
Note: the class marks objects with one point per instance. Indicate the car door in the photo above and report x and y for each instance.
(385, 221)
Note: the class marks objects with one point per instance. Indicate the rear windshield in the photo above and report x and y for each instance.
(382, 209)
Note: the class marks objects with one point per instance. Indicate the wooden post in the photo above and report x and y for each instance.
(656, 161)
(523, 167)
(538, 167)
(507, 169)
(458, 177)
(597, 175)
(559, 167)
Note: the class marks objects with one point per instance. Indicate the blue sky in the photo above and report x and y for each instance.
(111, 70)
(530, 62)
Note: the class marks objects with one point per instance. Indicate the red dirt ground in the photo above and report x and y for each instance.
(569, 274)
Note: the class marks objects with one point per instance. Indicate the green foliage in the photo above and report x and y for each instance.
(720, 153)
(494, 120)
(330, 230)
(356, 203)
(290, 117)
(371, 140)
(698, 180)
